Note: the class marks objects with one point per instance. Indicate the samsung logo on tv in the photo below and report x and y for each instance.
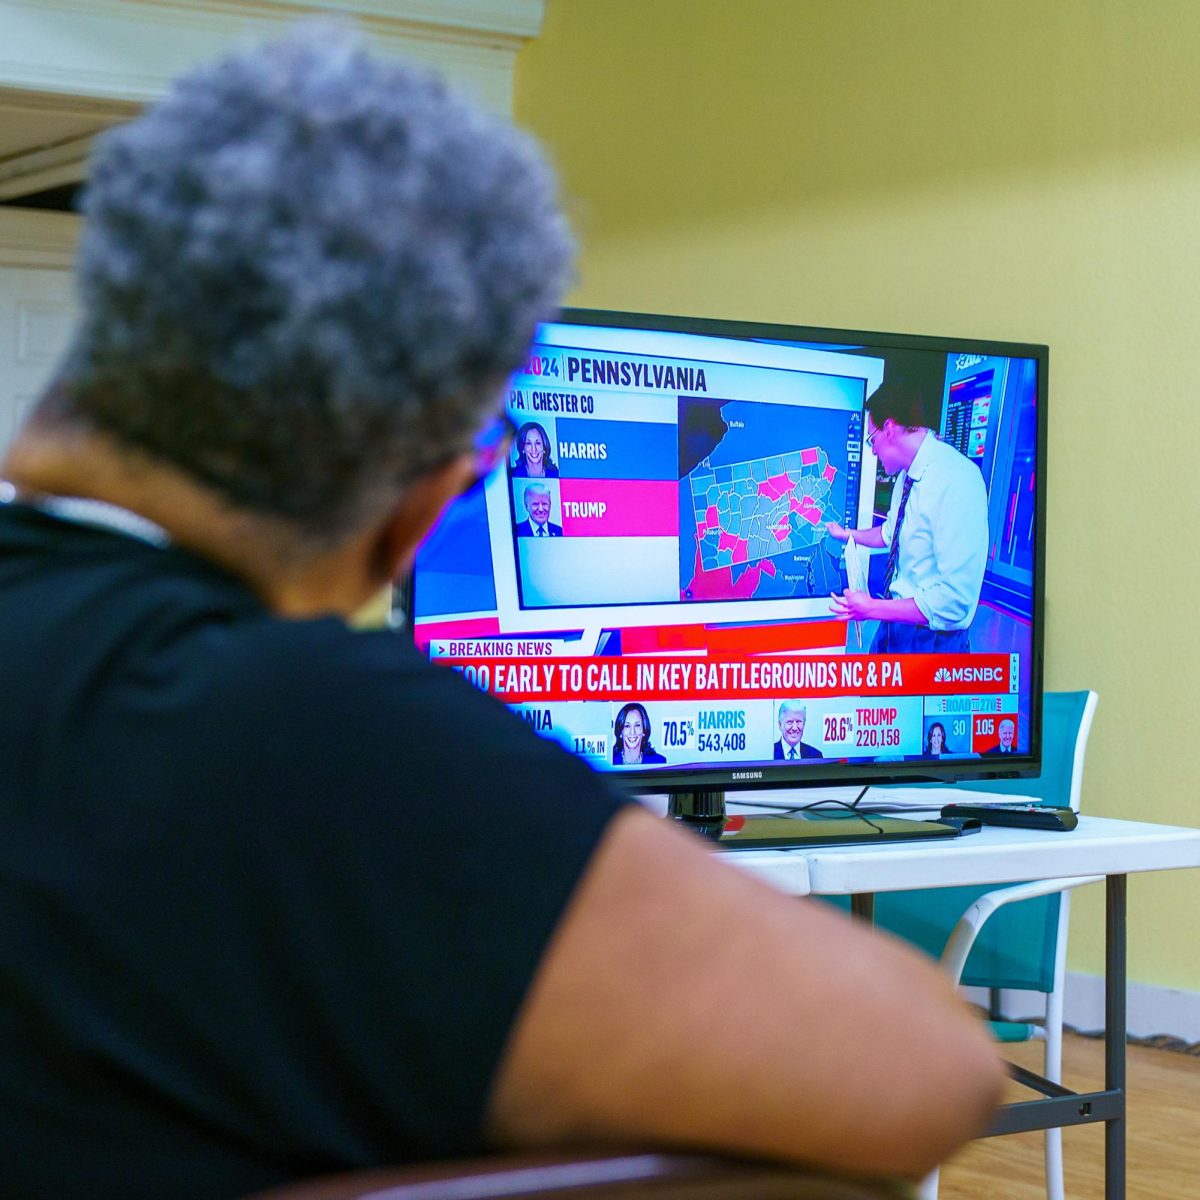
(745, 774)
(969, 675)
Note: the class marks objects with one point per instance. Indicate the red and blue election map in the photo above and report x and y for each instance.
(758, 514)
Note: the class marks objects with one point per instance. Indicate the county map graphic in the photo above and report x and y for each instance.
(759, 500)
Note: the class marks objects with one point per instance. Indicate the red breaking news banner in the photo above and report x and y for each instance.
(520, 681)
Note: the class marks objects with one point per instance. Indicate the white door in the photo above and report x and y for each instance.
(37, 307)
(36, 311)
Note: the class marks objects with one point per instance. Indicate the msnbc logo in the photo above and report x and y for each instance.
(968, 675)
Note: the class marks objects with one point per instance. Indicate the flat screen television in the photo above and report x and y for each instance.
(649, 578)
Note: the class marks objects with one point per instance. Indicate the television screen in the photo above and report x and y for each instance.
(658, 577)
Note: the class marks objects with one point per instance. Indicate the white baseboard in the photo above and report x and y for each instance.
(1150, 1010)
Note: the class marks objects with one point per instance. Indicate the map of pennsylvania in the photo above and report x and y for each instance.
(759, 518)
(753, 510)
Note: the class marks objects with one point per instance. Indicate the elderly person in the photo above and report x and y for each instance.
(792, 718)
(282, 898)
(537, 521)
(1006, 733)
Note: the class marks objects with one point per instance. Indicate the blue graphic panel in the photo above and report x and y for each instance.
(454, 562)
(766, 479)
(616, 450)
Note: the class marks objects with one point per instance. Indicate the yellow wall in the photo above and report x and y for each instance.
(1028, 170)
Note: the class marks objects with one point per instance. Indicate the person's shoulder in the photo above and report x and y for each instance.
(323, 675)
(303, 658)
(519, 471)
(365, 715)
(555, 530)
(951, 461)
(653, 756)
(551, 471)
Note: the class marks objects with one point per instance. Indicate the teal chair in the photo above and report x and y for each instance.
(1011, 937)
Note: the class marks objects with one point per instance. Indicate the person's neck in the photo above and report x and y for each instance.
(909, 442)
(258, 550)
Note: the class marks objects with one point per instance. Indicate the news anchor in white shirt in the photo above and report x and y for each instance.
(936, 533)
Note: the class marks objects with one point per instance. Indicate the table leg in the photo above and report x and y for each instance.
(862, 905)
(1114, 1034)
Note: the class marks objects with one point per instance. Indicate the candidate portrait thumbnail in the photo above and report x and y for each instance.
(540, 503)
(791, 718)
(533, 450)
(996, 736)
(632, 737)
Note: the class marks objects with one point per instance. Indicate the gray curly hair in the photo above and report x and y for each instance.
(305, 275)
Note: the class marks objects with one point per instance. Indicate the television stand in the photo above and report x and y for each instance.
(702, 811)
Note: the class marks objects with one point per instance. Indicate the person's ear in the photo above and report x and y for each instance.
(414, 515)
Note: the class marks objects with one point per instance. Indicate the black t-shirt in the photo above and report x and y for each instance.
(271, 891)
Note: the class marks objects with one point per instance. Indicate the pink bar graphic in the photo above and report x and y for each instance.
(809, 456)
(620, 507)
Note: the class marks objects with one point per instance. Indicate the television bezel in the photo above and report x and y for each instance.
(841, 772)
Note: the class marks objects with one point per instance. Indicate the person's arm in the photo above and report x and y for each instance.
(862, 606)
(871, 538)
(682, 1002)
(854, 605)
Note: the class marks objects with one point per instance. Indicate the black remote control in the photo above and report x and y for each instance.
(1026, 816)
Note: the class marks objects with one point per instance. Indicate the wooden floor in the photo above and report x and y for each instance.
(1163, 1147)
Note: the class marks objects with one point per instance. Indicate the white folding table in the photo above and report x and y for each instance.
(999, 855)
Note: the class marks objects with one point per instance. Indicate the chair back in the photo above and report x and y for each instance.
(1066, 723)
(591, 1176)
(1018, 947)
